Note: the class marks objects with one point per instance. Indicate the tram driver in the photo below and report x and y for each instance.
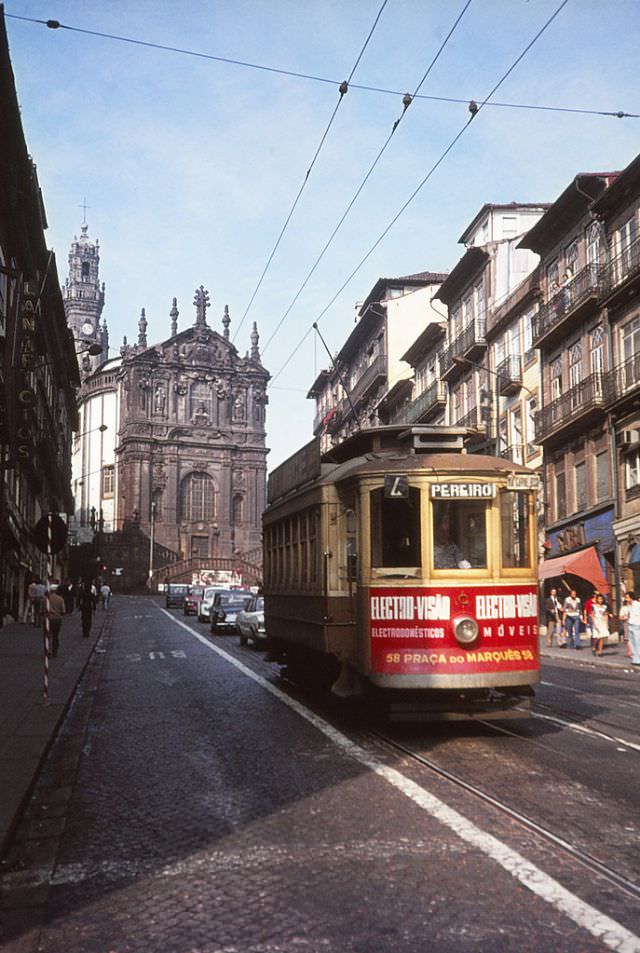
(446, 552)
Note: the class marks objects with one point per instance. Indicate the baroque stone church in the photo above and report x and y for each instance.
(172, 441)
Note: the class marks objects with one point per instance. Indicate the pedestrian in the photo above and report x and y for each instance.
(634, 629)
(68, 595)
(87, 606)
(588, 609)
(599, 624)
(623, 616)
(552, 610)
(105, 594)
(54, 609)
(38, 602)
(29, 612)
(572, 616)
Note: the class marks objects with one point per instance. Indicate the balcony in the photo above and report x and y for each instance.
(624, 381)
(473, 418)
(622, 272)
(470, 344)
(509, 374)
(425, 406)
(368, 381)
(582, 405)
(514, 452)
(571, 302)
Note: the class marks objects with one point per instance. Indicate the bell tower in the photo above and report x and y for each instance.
(84, 298)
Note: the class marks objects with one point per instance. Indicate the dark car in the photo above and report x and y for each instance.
(226, 607)
(193, 600)
(176, 593)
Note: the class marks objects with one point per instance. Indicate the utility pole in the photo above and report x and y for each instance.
(151, 542)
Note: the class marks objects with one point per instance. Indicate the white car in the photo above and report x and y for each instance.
(204, 609)
(250, 622)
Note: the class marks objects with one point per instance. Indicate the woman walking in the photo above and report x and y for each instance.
(599, 624)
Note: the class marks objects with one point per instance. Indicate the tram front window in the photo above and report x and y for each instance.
(395, 530)
(514, 517)
(459, 535)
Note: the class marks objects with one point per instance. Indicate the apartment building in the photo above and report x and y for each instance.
(488, 338)
(370, 377)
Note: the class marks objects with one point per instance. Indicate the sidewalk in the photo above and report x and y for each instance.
(614, 654)
(28, 723)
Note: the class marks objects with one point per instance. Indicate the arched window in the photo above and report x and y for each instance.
(197, 498)
(85, 269)
(237, 508)
(575, 364)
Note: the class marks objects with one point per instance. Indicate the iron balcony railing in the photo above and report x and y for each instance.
(624, 378)
(434, 397)
(509, 374)
(514, 452)
(588, 395)
(473, 418)
(374, 372)
(472, 337)
(565, 302)
(625, 264)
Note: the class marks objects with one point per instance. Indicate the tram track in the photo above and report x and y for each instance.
(584, 858)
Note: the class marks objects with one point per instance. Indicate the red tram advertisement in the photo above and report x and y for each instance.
(402, 570)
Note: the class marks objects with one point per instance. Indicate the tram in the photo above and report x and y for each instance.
(402, 569)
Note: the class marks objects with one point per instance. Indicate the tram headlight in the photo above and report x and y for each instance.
(465, 630)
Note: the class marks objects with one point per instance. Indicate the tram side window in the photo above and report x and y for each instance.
(459, 534)
(395, 530)
(514, 519)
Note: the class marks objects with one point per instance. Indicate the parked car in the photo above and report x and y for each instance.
(250, 622)
(193, 600)
(226, 607)
(176, 594)
(204, 609)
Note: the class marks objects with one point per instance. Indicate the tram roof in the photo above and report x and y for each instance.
(412, 448)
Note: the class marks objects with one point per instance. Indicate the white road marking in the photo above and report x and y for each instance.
(611, 933)
(586, 731)
(565, 688)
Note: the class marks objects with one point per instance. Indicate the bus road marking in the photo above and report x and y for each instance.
(611, 933)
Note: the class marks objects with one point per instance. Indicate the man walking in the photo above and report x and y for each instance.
(572, 617)
(552, 610)
(54, 609)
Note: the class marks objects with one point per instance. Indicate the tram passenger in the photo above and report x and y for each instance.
(446, 553)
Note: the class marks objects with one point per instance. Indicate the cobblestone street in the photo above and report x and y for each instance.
(184, 807)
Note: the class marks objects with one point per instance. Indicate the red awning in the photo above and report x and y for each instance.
(584, 564)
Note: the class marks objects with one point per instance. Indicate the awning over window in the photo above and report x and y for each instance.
(584, 564)
(634, 558)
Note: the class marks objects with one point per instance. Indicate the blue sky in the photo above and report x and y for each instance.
(190, 166)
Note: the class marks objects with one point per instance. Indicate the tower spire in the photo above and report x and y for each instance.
(142, 329)
(173, 314)
(226, 321)
(83, 294)
(255, 338)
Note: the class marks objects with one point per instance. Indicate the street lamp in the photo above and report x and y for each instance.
(92, 350)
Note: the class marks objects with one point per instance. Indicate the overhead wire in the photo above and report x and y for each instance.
(474, 109)
(406, 101)
(343, 88)
(57, 25)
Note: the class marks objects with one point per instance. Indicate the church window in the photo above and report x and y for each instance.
(200, 399)
(237, 508)
(85, 269)
(197, 498)
(108, 481)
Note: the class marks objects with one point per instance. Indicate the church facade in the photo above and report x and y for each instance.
(172, 439)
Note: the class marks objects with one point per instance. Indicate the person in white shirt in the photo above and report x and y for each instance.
(572, 616)
(634, 629)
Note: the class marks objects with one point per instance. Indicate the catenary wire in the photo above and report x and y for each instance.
(342, 90)
(56, 25)
(407, 100)
(426, 178)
